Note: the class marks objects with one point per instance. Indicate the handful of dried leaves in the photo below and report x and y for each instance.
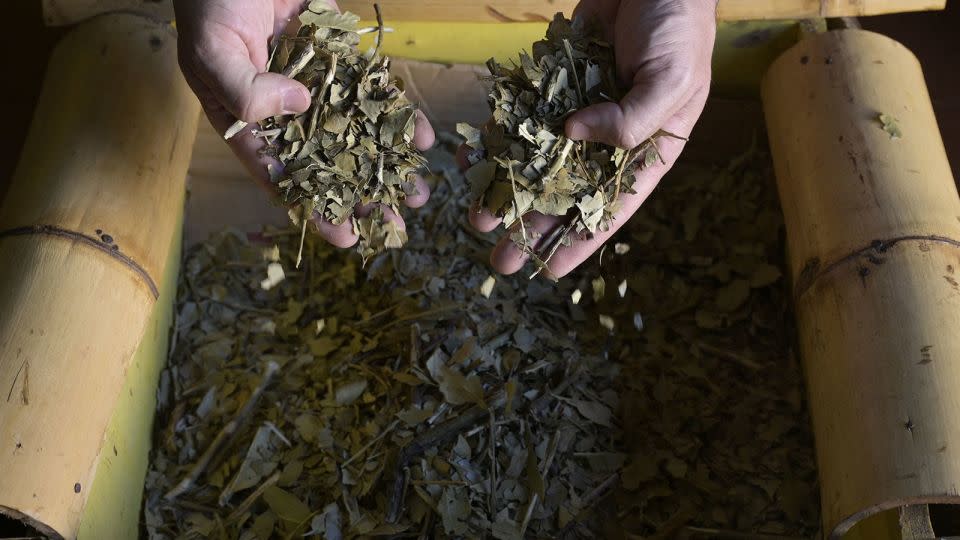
(354, 146)
(527, 163)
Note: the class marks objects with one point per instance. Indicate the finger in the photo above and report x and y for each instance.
(600, 12)
(644, 110)
(482, 219)
(389, 216)
(507, 257)
(423, 136)
(341, 236)
(420, 195)
(249, 95)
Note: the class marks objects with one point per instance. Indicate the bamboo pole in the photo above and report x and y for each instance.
(86, 230)
(873, 229)
(61, 12)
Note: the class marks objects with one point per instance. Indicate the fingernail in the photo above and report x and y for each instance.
(577, 131)
(294, 100)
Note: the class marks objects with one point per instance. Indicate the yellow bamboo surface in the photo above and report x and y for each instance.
(60, 12)
(86, 229)
(873, 227)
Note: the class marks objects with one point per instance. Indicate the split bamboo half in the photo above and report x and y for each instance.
(86, 230)
(873, 228)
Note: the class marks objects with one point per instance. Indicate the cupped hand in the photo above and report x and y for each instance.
(663, 50)
(224, 49)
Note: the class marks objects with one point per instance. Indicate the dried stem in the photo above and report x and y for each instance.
(628, 157)
(305, 218)
(225, 436)
(553, 244)
(559, 161)
(573, 68)
(319, 99)
(374, 441)
(294, 68)
(516, 206)
(252, 498)
(379, 44)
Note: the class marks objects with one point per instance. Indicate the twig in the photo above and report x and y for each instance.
(305, 218)
(252, 498)
(379, 44)
(448, 430)
(552, 245)
(589, 501)
(628, 157)
(434, 436)
(225, 435)
(294, 68)
(559, 161)
(535, 499)
(375, 440)
(573, 67)
(528, 515)
(318, 101)
(516, 205)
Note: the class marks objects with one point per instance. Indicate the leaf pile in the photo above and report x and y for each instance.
(522, 160)
(654, 397)
(354, 146)
(717, 431)
(398, 401)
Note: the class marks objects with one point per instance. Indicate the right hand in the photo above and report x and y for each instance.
(224, 49)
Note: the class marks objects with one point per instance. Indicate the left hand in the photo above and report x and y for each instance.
(663, 50)
(223, 50)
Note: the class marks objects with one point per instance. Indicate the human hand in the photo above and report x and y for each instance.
(663, 49)
(224, 49)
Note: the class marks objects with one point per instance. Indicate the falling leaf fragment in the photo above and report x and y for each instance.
(486, 288)
(575, 296)
(599, 286)
(606, 321)
(274, 276)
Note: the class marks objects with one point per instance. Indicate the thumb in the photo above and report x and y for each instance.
(247, 93)
(636, 118)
